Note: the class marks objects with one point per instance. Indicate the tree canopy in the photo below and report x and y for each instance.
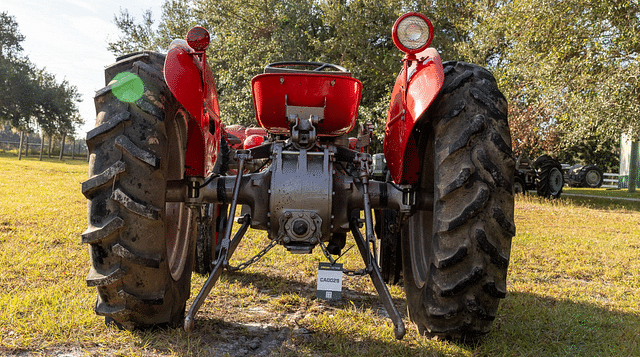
(31, 96)
(569, 68)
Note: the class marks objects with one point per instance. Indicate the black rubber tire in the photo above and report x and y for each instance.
(212, 220)
(455, 258)
(389, 254)
(141, 247)
(519, 186)
(549, 177)
(592, 176)
(210, 228)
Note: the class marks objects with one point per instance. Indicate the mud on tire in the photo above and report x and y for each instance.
(455, 258)
(141, 247)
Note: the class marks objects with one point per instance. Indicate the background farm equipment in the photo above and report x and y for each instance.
(543, 175)
(166, 177)
(547, 176)
(589, 176)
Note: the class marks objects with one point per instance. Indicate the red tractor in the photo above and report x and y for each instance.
(164, 182)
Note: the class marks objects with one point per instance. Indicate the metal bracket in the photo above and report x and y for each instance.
(303, 131)
(226, 246)
(376, 277)
(304, 112)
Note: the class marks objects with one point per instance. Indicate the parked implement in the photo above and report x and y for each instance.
(545, 175)
(165, 181)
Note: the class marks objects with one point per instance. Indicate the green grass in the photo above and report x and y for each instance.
(574, 285)
(603, 192)
(610, 199)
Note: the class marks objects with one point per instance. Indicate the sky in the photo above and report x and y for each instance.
(69, 39)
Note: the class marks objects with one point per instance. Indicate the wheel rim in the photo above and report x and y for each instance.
(419, 231)
(555, 181)
(177, 214)
(593, 178)
(177, 228)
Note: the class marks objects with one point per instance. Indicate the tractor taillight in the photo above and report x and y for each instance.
(198, 38)
(412, 33)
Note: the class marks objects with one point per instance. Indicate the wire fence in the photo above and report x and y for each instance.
(75, 149)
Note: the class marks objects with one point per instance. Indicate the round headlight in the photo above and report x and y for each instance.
(198, 38)
(412, 33)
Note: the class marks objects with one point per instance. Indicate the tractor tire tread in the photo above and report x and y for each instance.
(105, 177)
(110, 125)
(473, 191)
(126, 206)
(97, 234)
(132, 149)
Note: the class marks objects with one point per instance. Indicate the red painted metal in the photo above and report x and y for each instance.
(252, 141)
(184, 78)
(353, 142)
(235, 135)
(255, 131)
(406, 108)
(339, 95)
(190, 80)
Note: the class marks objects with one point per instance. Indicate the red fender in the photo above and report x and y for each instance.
(191, 82)
(400, 142)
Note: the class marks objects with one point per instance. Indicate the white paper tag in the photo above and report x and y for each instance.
(329, 281)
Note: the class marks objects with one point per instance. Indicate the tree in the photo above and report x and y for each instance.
(31, 96)
(569, 68)
(17, 88)
(10, 37)
(248, 34)
(56, 112)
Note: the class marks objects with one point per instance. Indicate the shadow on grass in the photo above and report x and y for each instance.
(602, 203)
(527, 325)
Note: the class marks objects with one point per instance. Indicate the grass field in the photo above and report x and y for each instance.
(574, 286)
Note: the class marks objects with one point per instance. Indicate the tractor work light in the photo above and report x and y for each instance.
(198, 38)
(412, 33)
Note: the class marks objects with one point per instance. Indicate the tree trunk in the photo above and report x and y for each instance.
(64, 137)
(41, 145)
(633, 167)
(73, 148)
(50, 146)
(20, 146)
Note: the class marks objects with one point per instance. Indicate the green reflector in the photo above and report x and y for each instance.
(127, 87)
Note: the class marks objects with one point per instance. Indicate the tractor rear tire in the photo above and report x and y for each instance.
(455, 257)
(141, 247)
(549, 177)
(389, 253)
